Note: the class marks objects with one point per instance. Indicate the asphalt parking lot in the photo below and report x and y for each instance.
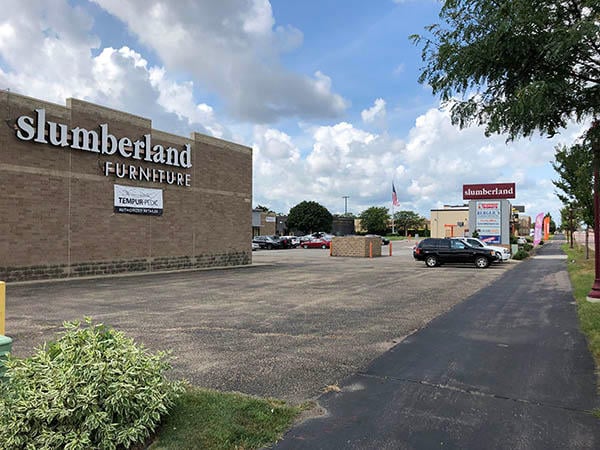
(291, 324)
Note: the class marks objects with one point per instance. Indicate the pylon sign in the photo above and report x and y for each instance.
(490, 211)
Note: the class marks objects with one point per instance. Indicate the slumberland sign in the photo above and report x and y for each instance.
(37, 129)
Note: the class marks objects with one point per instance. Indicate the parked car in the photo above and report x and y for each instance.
(321, 234)
(286, 242)
(436, 251)
(291, 241)
(502, 253)
(384, 240)
(316, 243)
(316, 235)
(268, 242)
(255, 246)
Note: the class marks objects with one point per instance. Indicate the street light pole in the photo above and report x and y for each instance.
(594, 294)
(345, 197)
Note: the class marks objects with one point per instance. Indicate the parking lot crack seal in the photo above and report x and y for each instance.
(475, 392)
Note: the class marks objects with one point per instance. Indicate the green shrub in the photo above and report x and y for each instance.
(91, 388)
(521, 254)
(527, 247)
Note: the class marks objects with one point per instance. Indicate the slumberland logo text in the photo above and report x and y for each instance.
(37, 129)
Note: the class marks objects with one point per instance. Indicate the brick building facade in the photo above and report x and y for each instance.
(58, 170)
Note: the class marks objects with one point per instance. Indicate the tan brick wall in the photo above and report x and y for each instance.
(57, 205)
(268, 228)
(357, 246)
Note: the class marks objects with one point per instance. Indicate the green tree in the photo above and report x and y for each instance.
(308, 217)
(375, 219)
(519, 66)
(574, 167)
(569, 219)
(552, 225)
(408, 220)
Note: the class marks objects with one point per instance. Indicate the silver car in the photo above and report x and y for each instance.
(502, 253)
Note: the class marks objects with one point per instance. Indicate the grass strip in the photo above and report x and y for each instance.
(210, 419)
(581, 272)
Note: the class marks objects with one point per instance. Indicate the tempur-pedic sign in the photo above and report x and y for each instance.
(134, 200)
(37, 129)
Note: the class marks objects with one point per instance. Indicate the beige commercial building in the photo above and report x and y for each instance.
(90, 190)
(449, 221)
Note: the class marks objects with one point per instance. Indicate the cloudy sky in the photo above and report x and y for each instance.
(325, 92)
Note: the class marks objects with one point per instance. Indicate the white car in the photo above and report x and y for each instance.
(502, 253)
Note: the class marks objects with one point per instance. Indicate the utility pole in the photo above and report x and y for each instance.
(345, 197)
(594, 133)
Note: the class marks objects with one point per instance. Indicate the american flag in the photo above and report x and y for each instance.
(395, 201)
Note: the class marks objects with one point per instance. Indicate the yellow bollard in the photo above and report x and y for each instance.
(370, 249)
(2, 305)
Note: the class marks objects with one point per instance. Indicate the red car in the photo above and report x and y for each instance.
(316, 243)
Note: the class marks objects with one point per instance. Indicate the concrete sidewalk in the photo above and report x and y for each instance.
(505, 369)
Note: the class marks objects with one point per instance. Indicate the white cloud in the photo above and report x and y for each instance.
(338, 148)
(343, 160)
(440, 158)
(428, 169)
(271, 144)
(47, 45)
(259, 19)
(375, 113)
(178, 98)
(124, 81)
(232, 48)
(51, 58)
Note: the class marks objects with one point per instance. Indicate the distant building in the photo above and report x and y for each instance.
(451, 220)
(263, 223)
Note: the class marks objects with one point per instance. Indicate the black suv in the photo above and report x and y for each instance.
(435, 251)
